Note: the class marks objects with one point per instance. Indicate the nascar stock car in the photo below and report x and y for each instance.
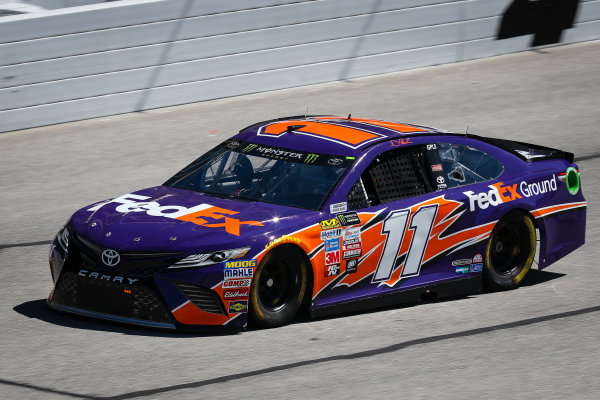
(335, 214)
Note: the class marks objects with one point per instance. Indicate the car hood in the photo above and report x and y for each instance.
(168, 219)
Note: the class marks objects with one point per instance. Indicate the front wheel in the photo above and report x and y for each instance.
(278, 287)
(510, 252)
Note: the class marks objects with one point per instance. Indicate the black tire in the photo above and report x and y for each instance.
(278, 287)
(510, 251)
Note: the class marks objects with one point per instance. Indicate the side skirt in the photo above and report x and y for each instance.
(451, 288)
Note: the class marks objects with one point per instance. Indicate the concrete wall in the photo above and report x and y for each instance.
(132, 55)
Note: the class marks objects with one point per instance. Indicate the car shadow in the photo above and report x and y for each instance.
(38, 309)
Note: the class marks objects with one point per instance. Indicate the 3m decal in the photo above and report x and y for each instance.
(348, 219)
(236, 283)
(332, 270)
(338, 207)
(238, 306)
(330, 224)
(332, 257)
(235, 294)
(197, 214)
(395, 226)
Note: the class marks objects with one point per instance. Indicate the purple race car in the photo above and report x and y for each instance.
(330, 213)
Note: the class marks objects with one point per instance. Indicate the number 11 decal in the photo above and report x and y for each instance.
(394, 227)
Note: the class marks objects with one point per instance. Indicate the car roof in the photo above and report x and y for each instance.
(330, 134)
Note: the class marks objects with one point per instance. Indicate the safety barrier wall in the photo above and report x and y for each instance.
(132, 55)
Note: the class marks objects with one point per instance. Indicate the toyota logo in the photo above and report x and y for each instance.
(110, 257)
(335, 161)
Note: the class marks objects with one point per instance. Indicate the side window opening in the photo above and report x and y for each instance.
(393, 175)
(462, 165)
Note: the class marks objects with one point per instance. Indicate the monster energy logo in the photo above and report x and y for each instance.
(311, 158)
(250, 147)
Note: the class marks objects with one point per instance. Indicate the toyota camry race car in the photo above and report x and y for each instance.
(330, 213)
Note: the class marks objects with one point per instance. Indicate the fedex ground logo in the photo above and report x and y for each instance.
(500, 193)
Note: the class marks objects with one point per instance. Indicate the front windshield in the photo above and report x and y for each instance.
(238, 169)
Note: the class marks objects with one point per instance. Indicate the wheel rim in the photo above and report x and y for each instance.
(510, 248)
(277, 285)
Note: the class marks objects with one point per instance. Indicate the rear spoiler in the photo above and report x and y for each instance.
(526, 151)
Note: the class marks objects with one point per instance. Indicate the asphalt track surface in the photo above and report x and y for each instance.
(541, 341)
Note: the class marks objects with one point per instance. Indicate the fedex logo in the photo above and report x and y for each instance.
(196, 214)
(498, 194)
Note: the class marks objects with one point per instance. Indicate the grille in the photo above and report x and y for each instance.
(203, 298)
(136, 301)
(135, 264)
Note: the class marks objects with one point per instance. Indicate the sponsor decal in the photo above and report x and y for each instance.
(332, 244)
(329, 224)
(349, 219)
(239, 306)
(352, 265)
(476, 267)
(283, 239)
(442, 186)
(431, 146)
(331, 234)
(477, 258)
(400, 142)
(332, 270)
(335, 161)
(352, 254)
(436, 167)
(536, 188)
(240, 264)
(499, 193)
(332, 257)
(463, 261)
(202, 214)
(237, 273)
(273, 152)
(352, 244)
(250, 147)
(311, 158)
(233, 145)
(104, 277)
(352, 233)
(235, 294)
(338, 207)
(463, 269)
(440, 179)
(236, 283)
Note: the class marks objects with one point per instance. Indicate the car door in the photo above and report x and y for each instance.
(395, 200)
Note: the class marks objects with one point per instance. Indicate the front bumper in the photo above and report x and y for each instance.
(175, 300)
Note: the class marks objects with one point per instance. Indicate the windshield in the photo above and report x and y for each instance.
(238, 169)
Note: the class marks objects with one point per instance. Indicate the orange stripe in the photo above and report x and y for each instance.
(192, 315)
(392, 125)
(548, 210)
(341, 133)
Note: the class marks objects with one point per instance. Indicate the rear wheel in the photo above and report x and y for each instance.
(510, 252)
(278, 287)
